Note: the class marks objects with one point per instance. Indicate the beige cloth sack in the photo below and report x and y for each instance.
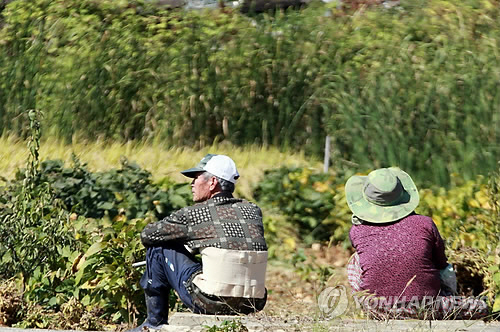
(234, 273)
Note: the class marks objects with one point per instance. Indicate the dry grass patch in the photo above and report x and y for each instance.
(252, 161)
(10, 302)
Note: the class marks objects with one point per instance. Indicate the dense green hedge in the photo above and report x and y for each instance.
(414, 86)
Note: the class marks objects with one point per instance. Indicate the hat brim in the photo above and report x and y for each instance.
(374, 213)
(191, 173)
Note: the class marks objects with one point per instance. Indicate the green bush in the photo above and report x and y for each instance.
(129, 190)
(32, 224)
(311, 203)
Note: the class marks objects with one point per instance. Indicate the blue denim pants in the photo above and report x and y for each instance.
(169, 267)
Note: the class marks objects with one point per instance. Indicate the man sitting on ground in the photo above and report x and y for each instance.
(229, 235)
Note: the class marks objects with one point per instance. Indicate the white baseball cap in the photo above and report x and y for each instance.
(217, 164)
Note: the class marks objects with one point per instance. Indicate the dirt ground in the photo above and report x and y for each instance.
(293, 290)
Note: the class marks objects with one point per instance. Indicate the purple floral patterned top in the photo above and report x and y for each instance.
(390, 255)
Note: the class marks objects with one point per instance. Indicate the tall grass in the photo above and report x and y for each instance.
(185, 78)
(423, 94)
(415, 86)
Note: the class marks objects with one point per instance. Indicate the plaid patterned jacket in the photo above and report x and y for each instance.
(222, 222)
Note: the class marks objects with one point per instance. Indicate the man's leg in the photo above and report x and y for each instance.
(178, 266)
(166, 268)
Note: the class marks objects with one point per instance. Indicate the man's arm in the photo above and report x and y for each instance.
(170, 228)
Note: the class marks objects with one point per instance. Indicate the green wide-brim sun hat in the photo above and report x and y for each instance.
(385, 195)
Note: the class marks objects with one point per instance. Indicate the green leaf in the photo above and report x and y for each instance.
(7, 257)
(177, 200)
(496, 304)
(53, 301)
(116, 317)
(95, 248)
(493, 268)
(86, 300)
(496, 278)
(105, 206)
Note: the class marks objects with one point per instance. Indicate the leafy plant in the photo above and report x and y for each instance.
(128, 190)
(32, 223)
(107, 212)
(311, 202)
(234, 325)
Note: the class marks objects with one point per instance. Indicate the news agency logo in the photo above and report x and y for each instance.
(333, 301)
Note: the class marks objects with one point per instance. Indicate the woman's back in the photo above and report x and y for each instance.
(392, 254)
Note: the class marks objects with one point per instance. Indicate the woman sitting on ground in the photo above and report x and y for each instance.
(399, 264)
